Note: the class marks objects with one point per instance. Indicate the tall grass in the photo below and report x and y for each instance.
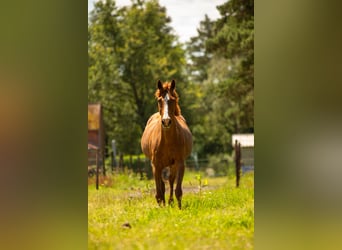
(215, 215)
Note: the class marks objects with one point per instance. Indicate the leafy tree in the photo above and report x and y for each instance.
(129, 50)
(199, 56)
(234, 39)
(103, 75)
(222, 64)
(150, 52)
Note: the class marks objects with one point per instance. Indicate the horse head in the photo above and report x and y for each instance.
(167, 98)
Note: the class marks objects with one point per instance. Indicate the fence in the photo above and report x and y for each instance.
(211, 166)
(141, 165)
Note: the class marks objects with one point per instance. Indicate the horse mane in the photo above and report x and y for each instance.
(172, 92)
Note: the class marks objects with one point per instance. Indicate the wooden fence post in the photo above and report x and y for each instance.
(97, 169)
(121, 162)
(237, 162)
(103, 162)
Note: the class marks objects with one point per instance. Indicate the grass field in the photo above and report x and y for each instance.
(215, 214)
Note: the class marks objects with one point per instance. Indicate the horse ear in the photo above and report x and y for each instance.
(173, 84)
(160, 85)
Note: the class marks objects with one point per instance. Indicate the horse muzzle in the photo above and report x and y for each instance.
(166, 122)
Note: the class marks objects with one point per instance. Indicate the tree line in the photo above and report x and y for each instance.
(131, 48)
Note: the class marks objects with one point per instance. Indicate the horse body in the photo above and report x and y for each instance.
(167, 142)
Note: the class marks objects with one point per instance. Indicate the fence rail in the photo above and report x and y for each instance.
(141, 165)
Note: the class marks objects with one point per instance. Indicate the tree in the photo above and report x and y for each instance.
(234, 39)
(104, 81)
(150, 52)
(129, 50)
(222, 64)
(199, 56)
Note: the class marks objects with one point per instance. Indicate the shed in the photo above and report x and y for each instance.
(247, 150)
(96, 135)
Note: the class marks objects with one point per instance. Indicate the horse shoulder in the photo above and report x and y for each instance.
(150, 138)
(185, 136)
(184, 127)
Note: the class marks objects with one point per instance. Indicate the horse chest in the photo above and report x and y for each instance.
(168, 150)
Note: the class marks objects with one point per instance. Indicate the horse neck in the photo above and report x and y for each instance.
(169, 134)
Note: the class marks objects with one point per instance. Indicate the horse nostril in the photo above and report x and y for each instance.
(166, 122)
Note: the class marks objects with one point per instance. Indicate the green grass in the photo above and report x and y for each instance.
(220, 216)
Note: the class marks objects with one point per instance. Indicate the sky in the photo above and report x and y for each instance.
(185, 14)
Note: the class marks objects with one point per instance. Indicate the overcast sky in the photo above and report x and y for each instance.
(185, 14)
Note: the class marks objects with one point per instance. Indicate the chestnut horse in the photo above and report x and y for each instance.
(167, 142)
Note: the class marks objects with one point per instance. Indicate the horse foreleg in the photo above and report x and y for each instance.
(160, 187)
(179, 191)
(163, 192)
(171, 181)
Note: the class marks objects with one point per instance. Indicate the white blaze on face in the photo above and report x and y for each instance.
(166, 107)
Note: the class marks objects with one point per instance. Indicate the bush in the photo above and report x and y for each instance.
(136, 163)
(220, 163)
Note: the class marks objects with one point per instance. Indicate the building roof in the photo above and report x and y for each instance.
(246, 140)
(94, 112)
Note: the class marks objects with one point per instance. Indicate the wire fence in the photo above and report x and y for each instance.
(217, 165)
(142, 166)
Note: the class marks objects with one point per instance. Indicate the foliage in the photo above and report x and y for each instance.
(222, 66)
(150, 51)
(138, 164)
(198, 56)
(221, 164)
(129, 50)
(104, 83)
(234, 39)
(221, 218)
